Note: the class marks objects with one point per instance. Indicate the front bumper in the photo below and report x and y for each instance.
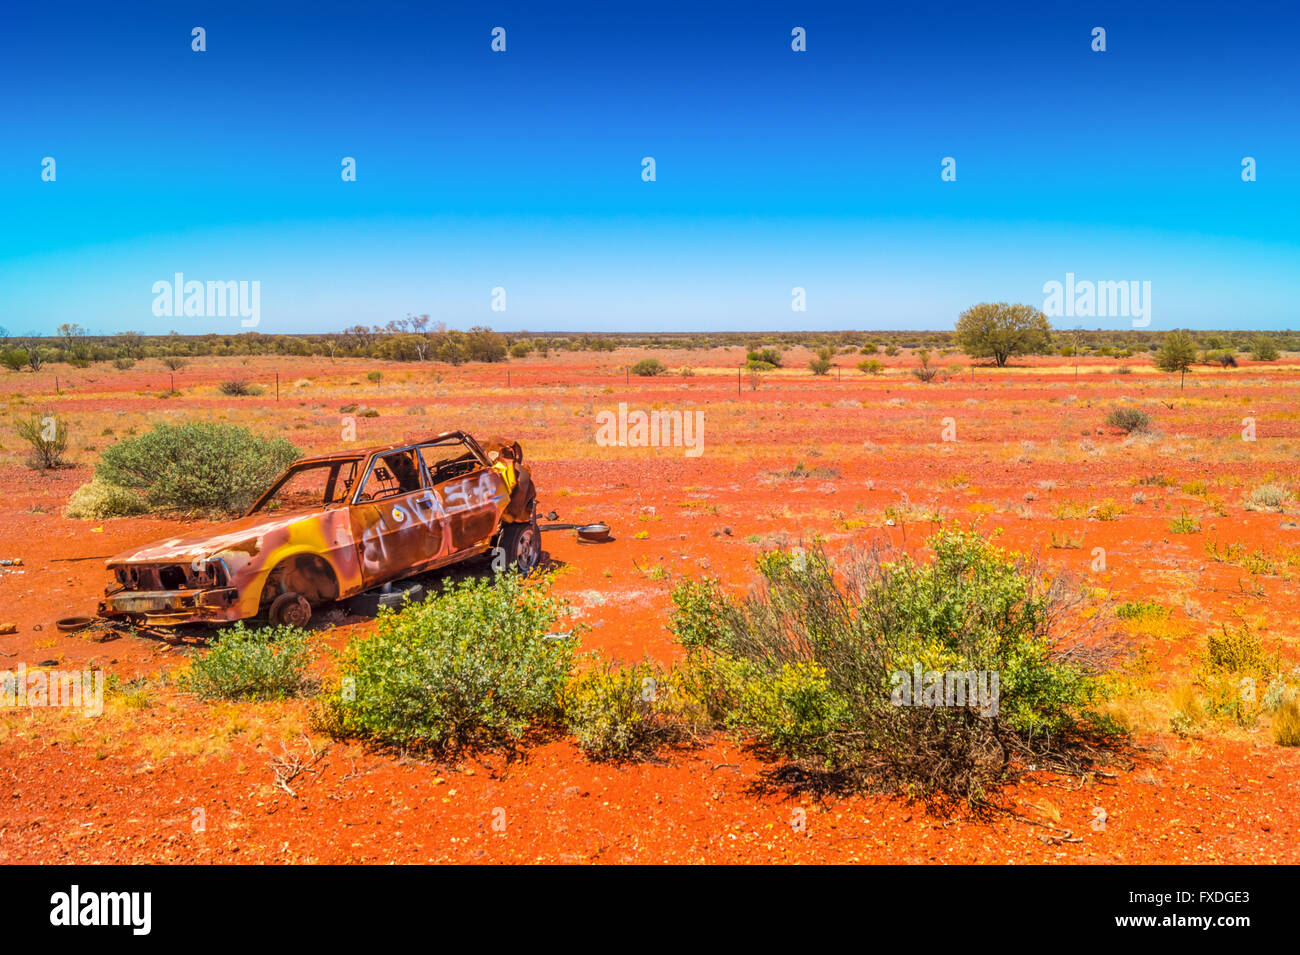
(170, 607)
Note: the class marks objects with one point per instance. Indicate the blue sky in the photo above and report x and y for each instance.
(522, 169)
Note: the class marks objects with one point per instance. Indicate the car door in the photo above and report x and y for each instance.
(398, 523)
(471, 494)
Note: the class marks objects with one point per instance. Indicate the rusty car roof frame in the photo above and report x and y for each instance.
(368, 455)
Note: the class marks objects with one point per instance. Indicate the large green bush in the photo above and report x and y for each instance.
(807, 664)
(196, 466)
(269, 663)
(478, 665)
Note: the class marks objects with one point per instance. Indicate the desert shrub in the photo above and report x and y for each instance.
(477, 665)
(123, 363)
(1184, 523)
(95, 500)
(755, 366)
(1234, 664)
(1128, 420)
(14, 358)
(1141, 610)
(196, 466)
(627, 712)
(768, 356)
(1238, 650)
(1263, 348)
(1267, 497)
(483, 344)
(267, 663)
(1286, 724)
(48, 439)
(814, 662)
(238, 388)
(891, 350)
(870, 367)
(375, 376)
(521, 349)
(648, 368)
(1225, 358)
(819, 366)
(173, 362)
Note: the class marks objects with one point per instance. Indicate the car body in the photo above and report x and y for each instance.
(330, 527)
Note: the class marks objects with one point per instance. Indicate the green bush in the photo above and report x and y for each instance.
(648, 368)
(811, 663)
(1267, 497)
(268, 663)
(239, 387)
(196, 466)
(48, 439)
(1264, 348)
(96, 500)
(767, 356)
(626, 713)
(1128, 420)
(474, 666)
(870, 367)
(819, 366)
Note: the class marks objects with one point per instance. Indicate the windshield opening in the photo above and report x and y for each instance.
(312, 485)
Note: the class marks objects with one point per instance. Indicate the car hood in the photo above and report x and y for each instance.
(241, 536)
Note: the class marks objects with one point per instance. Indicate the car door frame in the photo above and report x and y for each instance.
(409, 531)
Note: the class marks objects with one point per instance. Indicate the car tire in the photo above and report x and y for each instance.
(290, 609)
(396, 597)
(521, 545)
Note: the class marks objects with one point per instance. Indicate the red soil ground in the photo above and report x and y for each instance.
(1033, 459)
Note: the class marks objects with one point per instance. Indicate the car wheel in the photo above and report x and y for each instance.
(522, 544)
(397, 596)
(290, 609)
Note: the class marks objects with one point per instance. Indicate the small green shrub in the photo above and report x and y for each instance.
(196, 466)
(1286, 724)
(1264, 348)
(1141, 610)
(870, 367)
(766, 356)
(48, 439)
(1128, 420)
(1184, 523)
(626, 713)
(648, 368)
(95, 501)
(475, 666)
(1267, 497)
(1238, 650)
(268, 663)
(819, 366)
(239, 387)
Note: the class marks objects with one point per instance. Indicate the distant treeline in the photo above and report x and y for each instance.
(417, 339)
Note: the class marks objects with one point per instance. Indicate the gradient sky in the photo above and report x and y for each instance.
(523, 170)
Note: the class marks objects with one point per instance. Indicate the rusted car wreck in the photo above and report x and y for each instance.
(336, 525)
